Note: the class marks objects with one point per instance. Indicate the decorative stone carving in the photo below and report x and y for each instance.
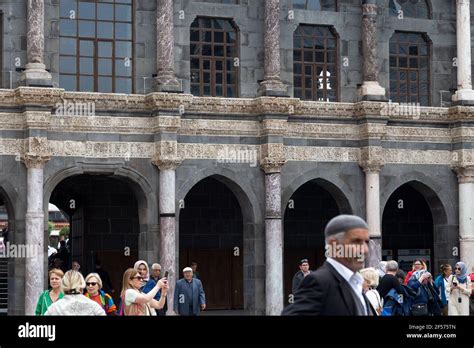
(36, 152)
(371, 159)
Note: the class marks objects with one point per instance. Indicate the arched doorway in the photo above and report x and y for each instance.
(211, 233)
(307, 212)
(410, 218)
(104, 224)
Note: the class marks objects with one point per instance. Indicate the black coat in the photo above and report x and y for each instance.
(324, 292)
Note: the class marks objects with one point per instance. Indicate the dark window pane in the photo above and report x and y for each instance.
(86, 10)
(319, 57)
(105, 66)
(195, 90)
(219, 91)
(206, 64)
(105, 48)
(194, 35)
(123, 13)
(86, 83)
(219, 65)
(87, 28)
(219, 51)
(67, 82)
(231, 92)
(219, 37)
(105, 30)
(86, 48)
(297, 93)
(308, 56)
(123, 85)
(67, 46)
(393, 61)
(68, 27)
(297, 69)
(67, 65)
(413, 50)
(414, 63)
(207, 50)
(403, 62)
(86, 66)
(231, 37)
(105, 84)
(123, 31)
(105, 12)
(207, 90)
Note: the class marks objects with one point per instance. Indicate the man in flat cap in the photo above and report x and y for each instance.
(299, 276)
(189, 297)
(336, 287)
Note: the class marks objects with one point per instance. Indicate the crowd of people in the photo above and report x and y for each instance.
(144, 293)
(342, 286)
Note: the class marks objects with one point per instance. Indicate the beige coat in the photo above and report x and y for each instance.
(462, 291)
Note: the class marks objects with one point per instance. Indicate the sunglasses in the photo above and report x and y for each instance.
(459, 268)
(139, 278)
(91, 284)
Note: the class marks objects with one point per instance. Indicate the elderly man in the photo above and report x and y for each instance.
(189, 297)
(299, 276)
(154, 278)
(336, 287)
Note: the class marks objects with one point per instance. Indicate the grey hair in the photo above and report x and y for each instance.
(338, 236)
(156, 266)
(392, 266)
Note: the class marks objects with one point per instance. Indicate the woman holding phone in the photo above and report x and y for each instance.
(459, 289)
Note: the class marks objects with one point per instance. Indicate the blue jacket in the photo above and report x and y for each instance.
(439, 284)
(422, 296)
(147, 288)
(188, 298)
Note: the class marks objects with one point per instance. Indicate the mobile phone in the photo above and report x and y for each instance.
(166, 274)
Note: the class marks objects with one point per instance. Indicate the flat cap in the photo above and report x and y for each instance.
(344, 223)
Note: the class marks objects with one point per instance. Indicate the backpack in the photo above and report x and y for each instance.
(396, 304)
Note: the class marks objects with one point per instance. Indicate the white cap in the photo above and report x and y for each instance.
(187, 269)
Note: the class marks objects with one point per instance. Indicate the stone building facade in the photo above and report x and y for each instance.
(241, 183)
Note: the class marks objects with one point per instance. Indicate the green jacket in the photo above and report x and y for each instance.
(44, 302)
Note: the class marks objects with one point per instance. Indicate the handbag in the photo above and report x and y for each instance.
(419, 309)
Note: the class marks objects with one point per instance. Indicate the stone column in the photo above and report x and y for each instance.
(372, 162)
(370, 89)
(166, 80)
(464, 94)
(273, 237)
(466, 214)
(35, 272)
(167, 204)
(272, 84)
(35, 73)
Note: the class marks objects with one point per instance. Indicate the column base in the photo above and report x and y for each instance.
(464, 97)
(273, 88)
(371, 91)
(35, 75)
(168, 83)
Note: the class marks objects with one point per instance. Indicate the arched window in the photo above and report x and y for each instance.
(315, 63)
(409, 68)
(214, 57)
(96, 45)
(410, 8)
(315, 5)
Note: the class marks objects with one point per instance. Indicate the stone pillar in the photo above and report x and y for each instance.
(372, 162)
(166, 80)
(466, 214)
(272, 84)
(167, 204)
(370, 89)
(273, 237)
(35, 73)
(464, 94)
(35, 272)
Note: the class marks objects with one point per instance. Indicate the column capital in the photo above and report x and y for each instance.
(36, 152)
(464, 172)
(166, 163)
(271, 165)
(371, 159)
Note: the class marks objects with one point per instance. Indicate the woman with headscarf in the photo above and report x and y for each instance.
(427, 300)
(142, 268)
(459, 289)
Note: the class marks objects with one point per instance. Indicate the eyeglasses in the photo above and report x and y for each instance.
(139, 278)
(91, 284)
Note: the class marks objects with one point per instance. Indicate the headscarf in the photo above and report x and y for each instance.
(463, 276)
(417, 274)
(147, 276)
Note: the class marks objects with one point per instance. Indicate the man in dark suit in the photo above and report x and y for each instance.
(189, 297)
(336, 287)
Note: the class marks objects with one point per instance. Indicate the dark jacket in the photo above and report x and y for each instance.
(187, 302)
(324, 292)
(428, 294)
(147, 288)
(297, 279)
